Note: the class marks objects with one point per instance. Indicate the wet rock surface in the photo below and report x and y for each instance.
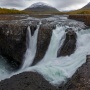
(34, 81)
(13, 42)
(44, 37)
(26, 81)
(69, 45)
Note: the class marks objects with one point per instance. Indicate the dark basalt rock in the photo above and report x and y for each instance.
(13, 42)
(44, 37)
(69, 45)
(26, 81)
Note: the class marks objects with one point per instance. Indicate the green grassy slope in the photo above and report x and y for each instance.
(10, 11)
(80, 11)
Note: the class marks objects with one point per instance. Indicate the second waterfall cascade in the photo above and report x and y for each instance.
(31, 47)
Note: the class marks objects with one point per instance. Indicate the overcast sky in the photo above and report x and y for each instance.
(59, 4)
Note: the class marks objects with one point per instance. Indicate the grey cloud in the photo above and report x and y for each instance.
(71, 3)
(59, 4)
(12, 3)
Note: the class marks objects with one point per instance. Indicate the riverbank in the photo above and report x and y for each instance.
(83, 18)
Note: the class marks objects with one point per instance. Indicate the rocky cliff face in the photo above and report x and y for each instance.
(13, 42)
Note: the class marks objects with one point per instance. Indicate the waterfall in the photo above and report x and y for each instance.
(31, 47)
(58, 70)
(58, 37)
(55, 69)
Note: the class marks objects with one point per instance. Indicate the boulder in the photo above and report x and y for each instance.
(69, 45)
(26, 81)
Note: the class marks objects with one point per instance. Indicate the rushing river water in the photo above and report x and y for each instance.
(54, 69)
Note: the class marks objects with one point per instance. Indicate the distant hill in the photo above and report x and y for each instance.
(42, 8)
(83, 10)
(87, 6)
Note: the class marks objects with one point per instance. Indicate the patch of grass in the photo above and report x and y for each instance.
(80, 11)
(10, 11)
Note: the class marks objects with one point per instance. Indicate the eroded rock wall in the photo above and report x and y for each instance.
(13, 42)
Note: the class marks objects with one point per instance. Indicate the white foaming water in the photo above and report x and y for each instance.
(56, 70)
(4, 67)
(31, 47)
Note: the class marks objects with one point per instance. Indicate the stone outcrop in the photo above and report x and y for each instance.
(44, 37)
(69, 45)
(13, 42)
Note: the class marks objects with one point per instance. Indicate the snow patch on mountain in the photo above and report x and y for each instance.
(39, 4)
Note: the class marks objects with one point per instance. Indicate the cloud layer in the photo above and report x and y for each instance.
(59, 4)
